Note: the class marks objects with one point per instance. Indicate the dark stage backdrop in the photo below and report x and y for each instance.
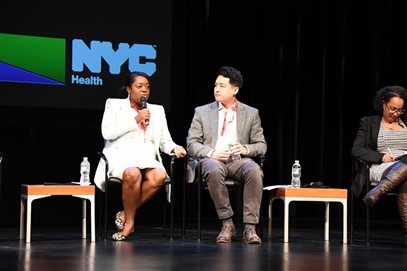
(311, 68)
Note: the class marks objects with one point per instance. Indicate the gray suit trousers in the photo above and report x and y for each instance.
(248, 173)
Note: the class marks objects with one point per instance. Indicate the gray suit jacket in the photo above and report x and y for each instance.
(203, 132)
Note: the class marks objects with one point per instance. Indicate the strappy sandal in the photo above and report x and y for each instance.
(119, 223)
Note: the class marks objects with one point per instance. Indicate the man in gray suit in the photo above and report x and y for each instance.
(225, 135)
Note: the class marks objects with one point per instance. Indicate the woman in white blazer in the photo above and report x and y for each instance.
(135, 132)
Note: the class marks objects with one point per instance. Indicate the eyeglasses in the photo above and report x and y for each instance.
(394, 110)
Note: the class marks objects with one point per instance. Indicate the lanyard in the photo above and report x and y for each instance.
(234, 108)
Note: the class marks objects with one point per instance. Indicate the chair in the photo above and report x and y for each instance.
(362, 167)
(191, 178)
(113, 181)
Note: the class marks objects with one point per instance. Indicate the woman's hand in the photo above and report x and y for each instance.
(388, 158)
(179, 151)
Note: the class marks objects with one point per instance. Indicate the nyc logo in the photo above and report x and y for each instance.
(42, 60)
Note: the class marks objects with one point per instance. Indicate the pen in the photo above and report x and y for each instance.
(394, 159)
(389, 151)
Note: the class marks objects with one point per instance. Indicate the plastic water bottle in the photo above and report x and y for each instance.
(234, 157)
(296, 174)
(85, 170)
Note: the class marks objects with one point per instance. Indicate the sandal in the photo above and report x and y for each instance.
(119, 223)
(121, 237)
(118, 237)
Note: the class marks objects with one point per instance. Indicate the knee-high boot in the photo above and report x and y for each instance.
(402, 205)
(392, 178)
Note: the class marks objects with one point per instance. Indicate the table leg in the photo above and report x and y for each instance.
(326, 230)
(91, 199)
(28, 226)
(22, 219)
(92, 219)
(286, 218)
(83, 218)
(345, 221)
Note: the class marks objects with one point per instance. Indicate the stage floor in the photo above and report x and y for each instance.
(61, 248)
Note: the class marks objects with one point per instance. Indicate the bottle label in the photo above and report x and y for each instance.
(296, 171)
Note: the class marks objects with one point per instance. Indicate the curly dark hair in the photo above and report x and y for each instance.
(234, 75)
(386, 93)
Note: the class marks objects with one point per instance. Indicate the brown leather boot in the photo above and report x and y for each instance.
(391, 179)
(402, 205)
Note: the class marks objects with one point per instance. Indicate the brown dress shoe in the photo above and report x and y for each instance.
(225, 236)
(250, 236)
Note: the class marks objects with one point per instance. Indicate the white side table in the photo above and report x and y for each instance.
(326, 195)
(29, 193)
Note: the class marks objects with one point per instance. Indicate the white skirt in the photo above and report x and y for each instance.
(139, 153)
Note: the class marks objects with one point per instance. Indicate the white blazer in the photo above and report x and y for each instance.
(118, 125)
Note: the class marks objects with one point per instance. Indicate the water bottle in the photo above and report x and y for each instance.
(234, 157)
(85, 170)
(296, 174)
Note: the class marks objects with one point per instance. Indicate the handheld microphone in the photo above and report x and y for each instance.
(143, 102)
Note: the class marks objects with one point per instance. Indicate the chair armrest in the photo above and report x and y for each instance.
(360, 175)
(173, 158)
(360, 163)
(103, 156)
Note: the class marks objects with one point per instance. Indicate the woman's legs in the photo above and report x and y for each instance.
(131, 195)
(154, 180)
(402, 206)
(392, 178)
(136, 192)
(395, 176)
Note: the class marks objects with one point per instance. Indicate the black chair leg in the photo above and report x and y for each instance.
(367, 224)
(183, 208)
(199, 210)
(100, 234)
(105, 212)
(367, 217)
(351, 218)
(164, 227)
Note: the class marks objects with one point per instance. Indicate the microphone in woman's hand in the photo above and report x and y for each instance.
(143, 101)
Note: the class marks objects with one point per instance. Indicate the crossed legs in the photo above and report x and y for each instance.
(136, 192)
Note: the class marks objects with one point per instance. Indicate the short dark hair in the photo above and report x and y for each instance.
(130, 78)
(234, 75)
